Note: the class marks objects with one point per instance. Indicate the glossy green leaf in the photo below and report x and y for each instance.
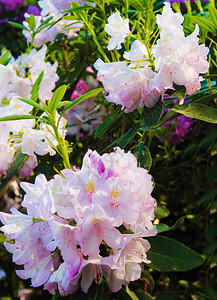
(179, 92)
(196, 110)
(169, 255)
(36, 86)
(150, 116)
(143, 156)
(163, 227)
(57, 97)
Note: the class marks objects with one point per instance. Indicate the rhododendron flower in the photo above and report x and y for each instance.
(174, 59)
(118, 29)
(72, 229)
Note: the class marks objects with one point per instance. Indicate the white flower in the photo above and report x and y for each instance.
(118, 29)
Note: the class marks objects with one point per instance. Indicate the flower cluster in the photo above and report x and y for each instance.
(51, 8)
(84, 224)
(175, 59)
(87, 115)
(17, 79)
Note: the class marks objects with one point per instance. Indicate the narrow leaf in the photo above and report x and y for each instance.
(204, 23)
(31, 22)
(36, 86)
(32, 103)
(57, 97)
(107, 123)
(18, 25)
(81, 98)
(4, 57)
(196, 110)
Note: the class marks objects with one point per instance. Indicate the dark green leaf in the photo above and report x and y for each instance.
(143, 156)
(161, 212)
(169, 255)
(163, 227)
(126, 138)
(107, 123)
(150, 116)
(179, 92)
(195, 110)
(142, 295)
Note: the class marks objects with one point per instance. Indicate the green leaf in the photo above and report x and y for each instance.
(78, 10)
(196, 110)
(32, 103)
(150, 116)
(18, 25)
(73, 9)
(18, 117)
(137, 4)
(17, 163)
(63, 103)
(163, 227)
(4, 57)
(204, 23)
(179, 92)
(142, 295)
(31, 22)
(213, 14)
(107, 123)
(126, 138)
(57, 97)
(169, 255)
(132, 294)
(161, 212)
(36, 86)
(123, 295)
(82, 98)
(78, 69)
(143, 156)
(44, 23)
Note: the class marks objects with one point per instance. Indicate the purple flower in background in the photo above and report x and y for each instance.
(33, 10)
(182, 126)
(11, 4)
